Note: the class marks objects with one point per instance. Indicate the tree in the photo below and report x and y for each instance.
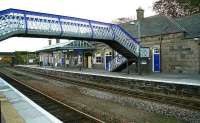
(122, 20)
(6, 60)
(177, 8)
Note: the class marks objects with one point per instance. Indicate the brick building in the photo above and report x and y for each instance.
(177, 40)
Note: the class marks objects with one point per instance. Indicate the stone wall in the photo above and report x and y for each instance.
(145, 69)
(178, 54)
(98, 66)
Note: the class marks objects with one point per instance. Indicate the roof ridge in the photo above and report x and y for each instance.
(142, 19)
(153, 16)
(64, 44)
(53, 45)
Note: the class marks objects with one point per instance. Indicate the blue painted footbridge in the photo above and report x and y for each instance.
(22, 23)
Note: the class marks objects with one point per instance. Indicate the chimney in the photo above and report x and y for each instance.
(50, 42)
(57, 41)
(140, 13)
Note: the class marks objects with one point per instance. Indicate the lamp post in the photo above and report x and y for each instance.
(139, 41)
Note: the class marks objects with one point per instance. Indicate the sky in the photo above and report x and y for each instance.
(101, 10)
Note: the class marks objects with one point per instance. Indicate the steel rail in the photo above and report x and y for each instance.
(87, 117)
(174, 101)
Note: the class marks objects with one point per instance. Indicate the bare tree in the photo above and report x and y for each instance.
(177, 8)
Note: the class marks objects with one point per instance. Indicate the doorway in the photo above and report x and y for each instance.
(108, 58)
(89, 61)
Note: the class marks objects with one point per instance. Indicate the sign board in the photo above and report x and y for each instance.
(30, 60)
(144, 52)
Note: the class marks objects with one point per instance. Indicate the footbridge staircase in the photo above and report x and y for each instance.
(22, 23)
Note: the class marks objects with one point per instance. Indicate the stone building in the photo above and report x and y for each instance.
(177, 40)
(94, 54)
(102, 55)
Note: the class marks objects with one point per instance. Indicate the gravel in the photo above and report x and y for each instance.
(149, 106)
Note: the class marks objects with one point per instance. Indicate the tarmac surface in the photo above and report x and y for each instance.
(184, 79)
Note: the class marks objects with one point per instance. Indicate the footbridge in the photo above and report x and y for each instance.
(22, 23)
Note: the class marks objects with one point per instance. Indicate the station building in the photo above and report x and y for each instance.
(174, 41)
(76, 53)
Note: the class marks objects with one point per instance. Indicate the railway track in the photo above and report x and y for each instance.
(65, 113)
(175, 101)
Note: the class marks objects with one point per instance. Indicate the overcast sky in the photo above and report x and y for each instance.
(101, 10)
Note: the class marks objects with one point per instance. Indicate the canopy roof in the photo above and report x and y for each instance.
(69, 45)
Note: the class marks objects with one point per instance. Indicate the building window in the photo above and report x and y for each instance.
(99, 60)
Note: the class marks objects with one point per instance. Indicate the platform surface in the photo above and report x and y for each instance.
(184, 79)
(27, 109)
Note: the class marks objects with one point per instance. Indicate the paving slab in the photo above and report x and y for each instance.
(27, 109)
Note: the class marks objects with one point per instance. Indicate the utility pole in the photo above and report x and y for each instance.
(139, 42)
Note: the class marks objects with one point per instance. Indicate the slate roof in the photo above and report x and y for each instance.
(191, 24)
(160, 24)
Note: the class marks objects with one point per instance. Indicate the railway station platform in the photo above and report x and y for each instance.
(17, 108)
(178, 85)
(183, 79)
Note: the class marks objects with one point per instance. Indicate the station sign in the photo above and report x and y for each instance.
(144, 52)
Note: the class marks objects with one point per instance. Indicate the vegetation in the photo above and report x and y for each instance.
(177, 8)
(6, 60)
(22, 57)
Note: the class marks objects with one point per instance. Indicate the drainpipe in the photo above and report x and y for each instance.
(161, 39)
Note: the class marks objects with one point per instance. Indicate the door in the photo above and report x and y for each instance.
(199, 56)
(156, 60)
(89, 61)
(107, 62)
(62, 61)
